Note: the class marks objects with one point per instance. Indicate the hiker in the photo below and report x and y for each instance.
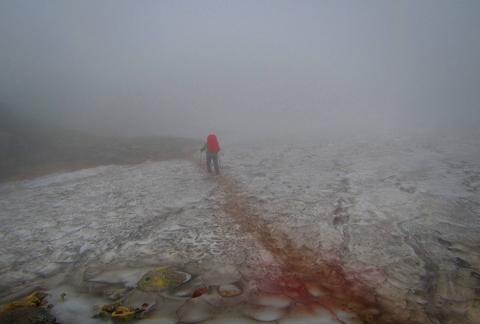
(213, 147)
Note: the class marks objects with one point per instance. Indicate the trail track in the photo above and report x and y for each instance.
(297, 267)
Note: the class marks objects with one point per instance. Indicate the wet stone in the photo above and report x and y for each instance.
(115, 293)
(277, 301)
(200, 291)
(160, 320)
(230, 319)
(229, 290)
(123, 313)
(304, 315)
(27, 315)
(184, 291)
(264, 313)
(475, 275)
(164, 312)
(221, 275)
(459, 262)
(214, 300)
(370, 314)
(138, 299)
(348, 318)
(195, 310)
(126, 277)
(444, 242)
(314, 290)
(162, 278)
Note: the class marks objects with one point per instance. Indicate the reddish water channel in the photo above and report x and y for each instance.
(311, 278)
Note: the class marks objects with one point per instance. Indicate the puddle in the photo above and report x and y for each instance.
(282, 297)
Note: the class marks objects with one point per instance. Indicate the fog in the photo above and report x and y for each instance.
(346, 190)
(243, 69)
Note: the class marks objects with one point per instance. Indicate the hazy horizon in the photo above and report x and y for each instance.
(249, 68)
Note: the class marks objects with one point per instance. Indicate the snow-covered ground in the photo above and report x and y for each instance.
(400, 216)
(409, 209)
(145, 214)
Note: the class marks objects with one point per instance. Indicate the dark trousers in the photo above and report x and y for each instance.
(212, 156)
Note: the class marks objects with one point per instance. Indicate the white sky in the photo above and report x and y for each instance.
(242, 68)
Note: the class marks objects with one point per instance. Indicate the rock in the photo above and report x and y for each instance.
(27, 315)
(184, 291)
(138, 299)
(110, 308)
(229, 290)
(221, 276)
(165, 312)
(263, 313)
(473, 312)
(118, 311)
(181, 293)
(195, 310)
(127, 277)
(33, 300)
(230, 319)
(115, 293)
(314, 290)
(123, 313)
(162, 278)
(136, 305)
(348, 318)
(200, 291)
(160, 320)
(277, 301)
(213, 299)
(309, 315)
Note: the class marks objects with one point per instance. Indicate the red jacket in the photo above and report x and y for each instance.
(212, 143)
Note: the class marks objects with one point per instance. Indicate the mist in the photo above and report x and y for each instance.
(244, 69)
(240, 161)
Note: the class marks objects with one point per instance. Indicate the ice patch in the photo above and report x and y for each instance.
(230, 319)
(63, 177)
(127, 277)
(272, 300)
(220, 275)
(76, 307)
(263, 313)
(160, 320)
(195, 310)
(310, 315)
(229, 290)
(348, 318)
(314, 290)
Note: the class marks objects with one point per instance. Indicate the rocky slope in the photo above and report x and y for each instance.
(29, 148)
